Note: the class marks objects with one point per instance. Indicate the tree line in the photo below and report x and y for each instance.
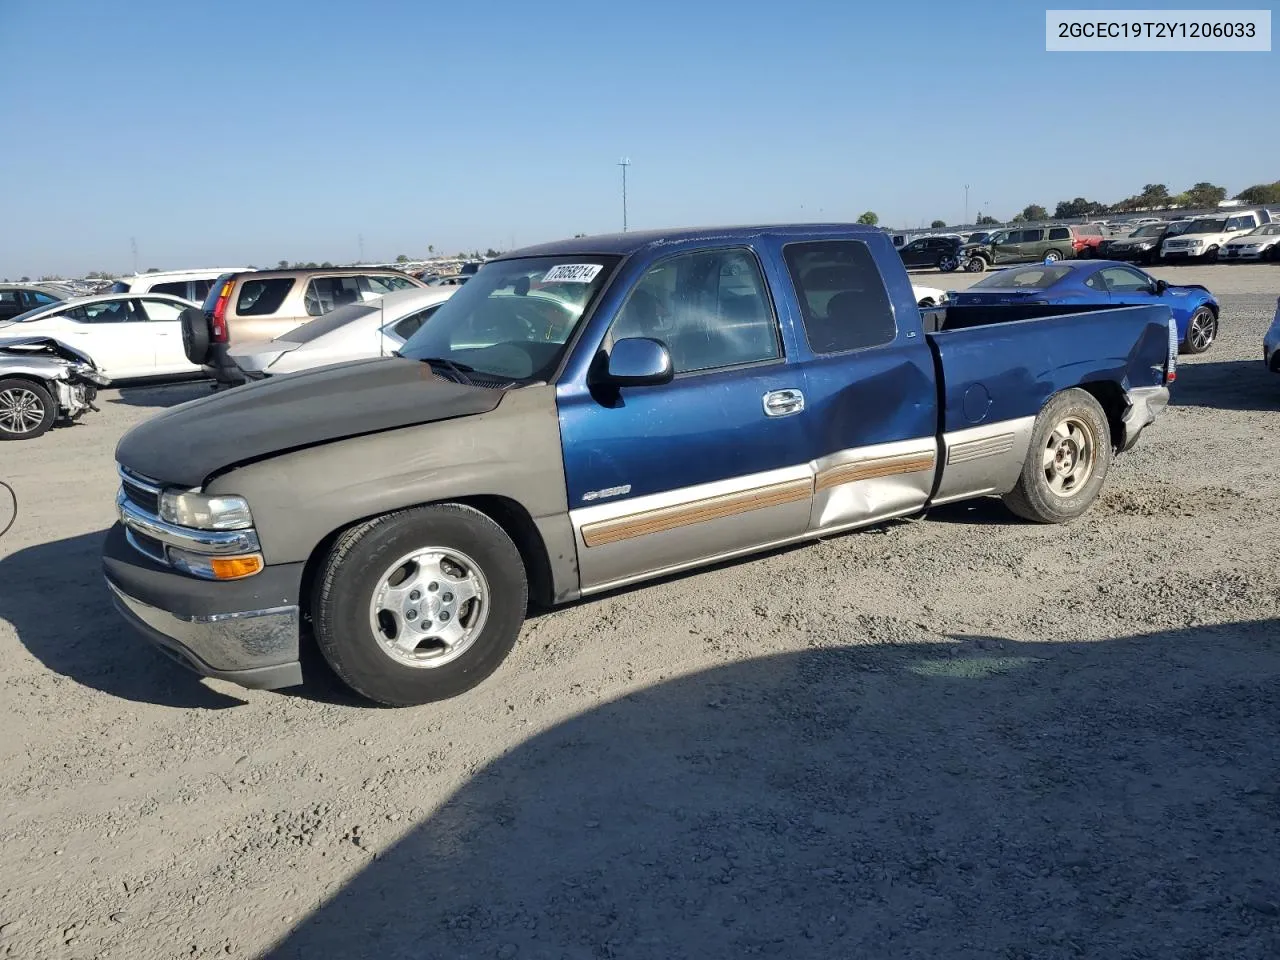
(1153, 196)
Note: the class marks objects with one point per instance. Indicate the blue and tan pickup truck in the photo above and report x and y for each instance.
(586, 414)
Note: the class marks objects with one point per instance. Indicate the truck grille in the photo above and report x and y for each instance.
(141, 492)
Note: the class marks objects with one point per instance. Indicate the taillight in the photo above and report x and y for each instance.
(1171, 362)
(220, 313)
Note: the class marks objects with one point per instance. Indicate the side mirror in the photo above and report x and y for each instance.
(639, 362)
(1161, 287)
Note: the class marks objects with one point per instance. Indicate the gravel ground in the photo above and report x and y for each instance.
(962, 736)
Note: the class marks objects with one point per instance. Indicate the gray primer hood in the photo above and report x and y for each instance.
(194, 440)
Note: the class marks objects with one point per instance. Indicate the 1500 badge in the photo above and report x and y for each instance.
(606, 492)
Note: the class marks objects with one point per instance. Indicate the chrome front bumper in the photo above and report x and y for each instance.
(252, 648)
(1145, 404)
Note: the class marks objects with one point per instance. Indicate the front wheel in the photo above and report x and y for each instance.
(1202, 330)
(975, 265)
(27, 409)
(1211, 255)
(420, 605)
(948, 264)
(1067, 461)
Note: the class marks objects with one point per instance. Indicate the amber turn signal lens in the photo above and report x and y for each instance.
(233, 568)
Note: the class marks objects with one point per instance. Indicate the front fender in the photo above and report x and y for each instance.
(300, 498)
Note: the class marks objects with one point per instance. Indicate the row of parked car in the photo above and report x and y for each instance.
(1238, 236)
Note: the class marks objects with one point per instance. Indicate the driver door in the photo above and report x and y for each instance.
(710, 464)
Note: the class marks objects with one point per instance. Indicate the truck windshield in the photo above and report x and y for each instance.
(1208, 226)
(513, 318)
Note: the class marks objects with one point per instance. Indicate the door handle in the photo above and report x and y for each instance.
(782, 403)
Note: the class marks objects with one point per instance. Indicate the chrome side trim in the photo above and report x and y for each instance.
(625, 539)
(807, 535)
(983, 460)
(865, 484)
(602, 532)
(215, 543)
(968, 450)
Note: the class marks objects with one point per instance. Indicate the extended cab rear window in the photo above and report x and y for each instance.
(842, 295)
(260, 297)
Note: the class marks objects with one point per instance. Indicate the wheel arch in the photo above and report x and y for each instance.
(507, 513)
(1111, 398)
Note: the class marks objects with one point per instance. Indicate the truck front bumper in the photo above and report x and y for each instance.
(1145, 404)
(245, 631)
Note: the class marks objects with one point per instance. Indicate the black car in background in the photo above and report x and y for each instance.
(1143, 244)
(940, 252)
(18, 298)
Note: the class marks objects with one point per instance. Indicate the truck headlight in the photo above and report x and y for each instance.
(186, 509)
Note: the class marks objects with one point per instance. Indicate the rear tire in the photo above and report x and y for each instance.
(27, 409)
(392, 648)
(195, 335)
(1052, 256)
(1067, 461)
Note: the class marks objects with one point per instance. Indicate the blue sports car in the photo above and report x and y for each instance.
(1093, 282)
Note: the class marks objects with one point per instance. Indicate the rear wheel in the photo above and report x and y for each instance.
(948, 263)
(1053, 256)
(1067, 461)
(420, 605)
(1202, 330)
(27, 409)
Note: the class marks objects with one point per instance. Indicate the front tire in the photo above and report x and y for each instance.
(948, 264)
(1202, 330)
(1067, 461)
(27, 409)
(975, 265)
(420, 605)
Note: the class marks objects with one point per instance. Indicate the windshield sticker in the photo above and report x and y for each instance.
(572, 273)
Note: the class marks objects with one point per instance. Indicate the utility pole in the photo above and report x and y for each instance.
(133, 245)
(966, 204)
(624, 163)
(360, 240)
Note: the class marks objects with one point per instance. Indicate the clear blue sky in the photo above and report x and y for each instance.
(233, 131)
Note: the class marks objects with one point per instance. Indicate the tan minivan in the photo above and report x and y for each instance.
(265, 304)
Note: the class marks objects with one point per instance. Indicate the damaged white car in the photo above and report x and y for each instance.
(42, 380)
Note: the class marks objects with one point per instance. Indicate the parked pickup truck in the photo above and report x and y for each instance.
(591, 413)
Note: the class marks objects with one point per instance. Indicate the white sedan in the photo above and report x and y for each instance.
(357, 331)
(1258, 244)
(126, 336)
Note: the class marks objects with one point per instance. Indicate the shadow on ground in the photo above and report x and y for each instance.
(162, 393)
(976, 798)
(58, 603)
(1227, 385)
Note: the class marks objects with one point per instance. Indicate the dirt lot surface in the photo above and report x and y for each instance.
(963, 736)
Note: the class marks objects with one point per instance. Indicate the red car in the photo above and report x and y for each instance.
(1085, 238)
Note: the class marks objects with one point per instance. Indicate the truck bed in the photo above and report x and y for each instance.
(999, 362)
